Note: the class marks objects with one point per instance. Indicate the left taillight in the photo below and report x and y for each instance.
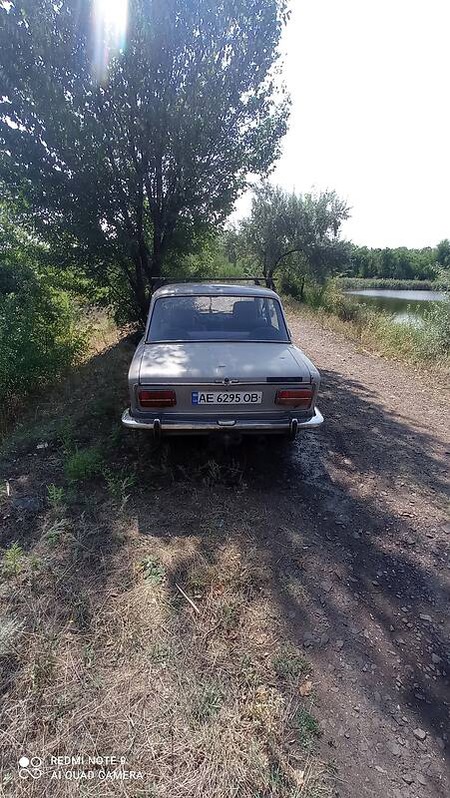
(153, 399)
(300, 397)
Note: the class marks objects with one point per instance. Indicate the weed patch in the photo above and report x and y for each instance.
(159, 653)
(119, 483)
(307, 728)
(289, 665)
(84, 464)
(43, 668)
(153, 571)
(54, 530)
(207, 703)
(55, 496)
(11, 629)
(13, 560)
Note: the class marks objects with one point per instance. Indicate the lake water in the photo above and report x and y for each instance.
(406, 306)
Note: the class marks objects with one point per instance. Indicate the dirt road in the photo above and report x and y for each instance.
(370, 493)
(353, 524)
(337, 547)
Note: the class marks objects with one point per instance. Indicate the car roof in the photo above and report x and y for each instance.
(213, 289)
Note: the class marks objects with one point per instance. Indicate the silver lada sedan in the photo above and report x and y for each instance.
(220, 359)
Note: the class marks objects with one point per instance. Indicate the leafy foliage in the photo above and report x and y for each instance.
(395, 264)
(40, 334)
(443, 253)
(121, 164)
(300, 232)
(37, 330)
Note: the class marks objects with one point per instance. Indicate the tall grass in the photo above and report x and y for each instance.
(427, 341)
(361, 283)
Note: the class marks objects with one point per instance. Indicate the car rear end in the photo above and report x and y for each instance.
(221, 363)
(241, 407)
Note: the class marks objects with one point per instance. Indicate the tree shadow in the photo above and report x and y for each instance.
(357, 557)
(362, 560)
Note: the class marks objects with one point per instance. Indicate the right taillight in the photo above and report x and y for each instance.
(299, 397)
(149, 399)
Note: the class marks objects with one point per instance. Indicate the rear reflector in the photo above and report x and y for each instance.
(299, 397)
(157, 398)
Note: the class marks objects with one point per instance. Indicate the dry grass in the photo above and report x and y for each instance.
(102, 654)
(192, 701)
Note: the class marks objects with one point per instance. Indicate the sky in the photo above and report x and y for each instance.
(369, 82)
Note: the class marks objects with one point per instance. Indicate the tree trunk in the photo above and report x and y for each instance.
(157, 254)
(144, 258)
(157, 259)
(140, 292)
(302, 288)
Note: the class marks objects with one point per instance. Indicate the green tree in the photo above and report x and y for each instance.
(400, 263)
(443, 253)
(302, 230)
(118, 168)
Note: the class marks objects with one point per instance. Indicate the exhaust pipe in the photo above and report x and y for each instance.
(157, 430)
(293, 429)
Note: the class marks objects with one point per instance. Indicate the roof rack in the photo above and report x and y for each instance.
(157, 282)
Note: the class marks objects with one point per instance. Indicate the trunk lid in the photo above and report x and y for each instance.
(202, 362)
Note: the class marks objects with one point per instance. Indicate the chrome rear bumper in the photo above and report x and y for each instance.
(191, 426)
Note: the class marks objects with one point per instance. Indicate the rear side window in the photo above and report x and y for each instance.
(217, 318)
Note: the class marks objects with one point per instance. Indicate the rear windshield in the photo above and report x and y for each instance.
(217, 318)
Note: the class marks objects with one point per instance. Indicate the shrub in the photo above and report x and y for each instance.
(291, 284)
(315, 295)
(12, 559)
(55, 496)
(435, 332)
(40, 334)
(343, 306)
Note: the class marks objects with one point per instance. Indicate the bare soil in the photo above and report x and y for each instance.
(319, 575)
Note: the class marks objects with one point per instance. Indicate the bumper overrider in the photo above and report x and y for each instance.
(200, 426)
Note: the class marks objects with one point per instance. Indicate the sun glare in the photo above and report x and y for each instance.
(113, 15)
(110, 27)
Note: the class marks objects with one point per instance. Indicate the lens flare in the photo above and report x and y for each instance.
(110, 18)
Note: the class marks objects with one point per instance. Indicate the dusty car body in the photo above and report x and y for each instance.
(220, 359)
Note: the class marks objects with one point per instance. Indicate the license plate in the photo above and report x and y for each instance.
(226, 398)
